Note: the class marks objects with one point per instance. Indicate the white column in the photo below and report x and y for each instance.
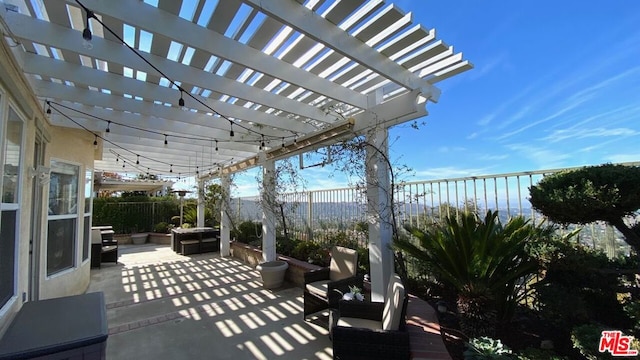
(268, 217)
(379, 212)
(201, 203)
(225, 212)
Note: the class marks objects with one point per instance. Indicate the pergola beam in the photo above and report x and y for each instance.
(66, 39)
(314, 26)
(165, 24)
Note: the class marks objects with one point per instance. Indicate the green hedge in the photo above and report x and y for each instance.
(134, 214)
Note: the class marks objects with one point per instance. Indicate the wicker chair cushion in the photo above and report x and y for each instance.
(96, 236)
(318, 288)
(359, 323)
(393, 304)
(343, 263)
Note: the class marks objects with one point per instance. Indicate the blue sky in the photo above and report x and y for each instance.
(555, 84)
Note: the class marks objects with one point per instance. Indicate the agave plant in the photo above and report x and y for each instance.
(482, 260)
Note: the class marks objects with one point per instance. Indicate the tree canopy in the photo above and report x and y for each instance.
(606, 192)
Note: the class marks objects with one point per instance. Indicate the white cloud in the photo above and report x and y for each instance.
(492, 157)
(449, 149)
(449, 172)
(543, 158)
(488, 66)
(563, 109)
(620, 158)
(565, 134)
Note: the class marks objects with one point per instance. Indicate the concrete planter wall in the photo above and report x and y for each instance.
(253, 256)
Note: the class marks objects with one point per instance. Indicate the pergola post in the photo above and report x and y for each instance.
(201, 203)
(379, 209)
(225, 220)
(268, 216)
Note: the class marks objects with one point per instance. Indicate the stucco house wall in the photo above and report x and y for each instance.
(68, 145)
(74, 147)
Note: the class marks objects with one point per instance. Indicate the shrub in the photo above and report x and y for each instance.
(486, 348)
(632, 309)
(538, 354)
(285, 246)
(162, 228)
(586, 338)
(607, 192)
(582, 277)
(309, 251)
(247, 232)
(482, 260)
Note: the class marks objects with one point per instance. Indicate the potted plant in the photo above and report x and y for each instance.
(272, 273)
(138, 238)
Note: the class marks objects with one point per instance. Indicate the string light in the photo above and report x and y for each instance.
(262, 143)
(118, 156)
(86, 33)
(165, 140)
(137, 159)
(108, 130)
(95, 142)
(170, 168)
(283, 143)
(216, 145)
(181, 101)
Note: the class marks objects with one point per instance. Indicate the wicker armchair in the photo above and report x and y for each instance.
(323, 288)
(373, 330)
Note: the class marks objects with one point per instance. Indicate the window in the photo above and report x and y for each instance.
(11, 165)
(63, 217)
(88, 190)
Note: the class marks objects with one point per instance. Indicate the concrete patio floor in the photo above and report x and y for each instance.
(161, 305)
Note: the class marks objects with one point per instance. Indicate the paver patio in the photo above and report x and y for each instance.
(161, 305)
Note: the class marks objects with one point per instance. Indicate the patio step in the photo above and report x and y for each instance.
(424, 331)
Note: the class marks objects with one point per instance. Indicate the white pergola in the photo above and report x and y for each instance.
(216, 87)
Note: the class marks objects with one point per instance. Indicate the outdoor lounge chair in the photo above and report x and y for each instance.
(103, 248)
(324, 287)
(366, 330)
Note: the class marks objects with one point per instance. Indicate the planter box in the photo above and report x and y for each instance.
(253, 256)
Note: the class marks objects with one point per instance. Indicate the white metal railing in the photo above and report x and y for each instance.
(318, 212)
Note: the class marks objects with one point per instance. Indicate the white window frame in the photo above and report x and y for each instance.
(87, 195)
(77, 258)
(7, 105)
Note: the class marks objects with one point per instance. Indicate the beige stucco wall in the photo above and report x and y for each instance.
(75, 147)
(16, 93)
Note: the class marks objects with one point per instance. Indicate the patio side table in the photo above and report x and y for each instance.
(72, 327)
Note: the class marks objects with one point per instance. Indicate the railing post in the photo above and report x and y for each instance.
(310, 216)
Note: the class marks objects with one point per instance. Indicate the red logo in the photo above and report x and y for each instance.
(617, 344)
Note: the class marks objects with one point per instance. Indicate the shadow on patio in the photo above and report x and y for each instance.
(161, 305)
